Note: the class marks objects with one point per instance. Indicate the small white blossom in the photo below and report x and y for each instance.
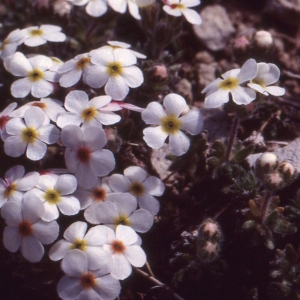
(10, 44)
(26, 230)
(4, 118)
(178, 8)
(175, 117)
(122, 209)
(94, 8)
(120, 6)
(266, 74)
(16, 183)
(55, 192)
(84, 155)
(35, 71)
(77, 237)
(217, 92)
(115, 69)
(36, 36)
(33, 133)
(82, 283)
(82, 111)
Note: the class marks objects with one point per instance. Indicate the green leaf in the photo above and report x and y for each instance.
(242, 154)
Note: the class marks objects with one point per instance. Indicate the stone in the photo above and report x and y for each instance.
(216, 28)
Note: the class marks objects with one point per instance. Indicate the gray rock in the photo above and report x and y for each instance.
(215, 29)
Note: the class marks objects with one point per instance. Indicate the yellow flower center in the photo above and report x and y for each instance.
(2, 47)
(230, 83)
(36, 32)
(171, 124)
(83, 62)
(179, 6)
(122, 220)
(114, 69)
(9, 190)
(137, 189)
(259, 82)
(35, 75)
(52, 196)
(29, 135)
(89, 114)
(79, 244)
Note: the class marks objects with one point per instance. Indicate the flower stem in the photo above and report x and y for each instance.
(233, 132)
(265, 205)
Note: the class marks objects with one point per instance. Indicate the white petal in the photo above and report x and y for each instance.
(133, 76)
(74, 263)
(275, 90)
(192, 16)
(135, 173)
(32, 249)
(116, 87)
(174, 104)
(96, 236)
(106, 213)
(107, 287)
(59, 250)
(243, 95)
(17, 64)
(154, 137)
(32, 208)
(96, 76)
(45, 232)
(69, 287)
(41, 62)
(216, 99)
(96, 8)
(12, 213)
(41, 89)
(21, 88)
(141, 220)
(69, 205)
(172, 11)
(154, 186)
(125, 203)
(121, 268)
(28, 181)
(192, 122)
(149, 203)
(14, 146)
(248, 70)
(66, 184)
(70, 78)
(179, 143)
(36, 150)
(49, 134)
(103, 162)
(153, 113)
(11, 238)
(135, 255)
(126, 234)
(72, 137)
(75, 231)
(119, 183)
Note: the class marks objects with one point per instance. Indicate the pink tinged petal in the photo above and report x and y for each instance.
(258, 88)
(216, 99)
(41, 62)
(96, 236)
(69, 205)
(141, 220)
(75, 231)
(14, 146)
(17, 64)
(71, 160)
(36, 150)
(192, 16)
(275, 90)
(106, 213)
(149, 203)
(172, 11)
(96, 76)
(49, 134)
(116, 87)
(179, 143)
(154, 186)
(119, 183)
(32, 208)
(72, 137)
(68, 288)
(70, 78)
(11, 238)
(107, 287)
(32, 249)
(86, 178)
(28, 181)
(66, 184)
(12, 213)
(243, 95)
(59, 250)
(248, 70)
(41, 89)
(126, 234)
(153, 113)
(125, 203)
(16, 172)
(131, 107)
(175, 104)
(55, 36)
(34, 117)
(103, 162)
(45, 232)
(135, 255)
(135, 174)
(51, 212)
(96, 8)
(75, 263)
(108, 118)
(21, 88)
(155, 137)
(192, 122)
(121, 268)
(133, 76)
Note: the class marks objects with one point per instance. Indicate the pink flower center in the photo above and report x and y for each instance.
(84, 155)
(117, 246)
(88, 281)
(25, 228)
(99, 194)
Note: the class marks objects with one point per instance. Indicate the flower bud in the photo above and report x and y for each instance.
(267, 163)
(273, 181)
(62, 7)
(263, 39)
(210, 229)
(287, 170)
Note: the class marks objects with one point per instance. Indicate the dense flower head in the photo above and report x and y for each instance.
(170, 120)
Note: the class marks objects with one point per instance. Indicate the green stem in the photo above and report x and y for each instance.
(234, 128)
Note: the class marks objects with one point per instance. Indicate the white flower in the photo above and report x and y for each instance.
(122, 209)
(121, 5)
(122, 245)
(137, 182)
(83, 111)
(89, 242)
(266, 74)
(15, 184)
(4, 118)
(51, 107)
(84, 155)
(10, 44)
(32, 133)
(26, 230)
(115, 69)
(40, 35)
(94, 8)
(217, 92)
(84, 284)
(170, 123)
(72, 70)
(178, 8)
(36, 72)
(55, 192)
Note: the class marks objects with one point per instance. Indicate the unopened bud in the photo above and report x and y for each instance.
(210, 229)
(267, 163)
(273, 181)
(62, 7)
(241, 44)
(263, 39)
(287, 170)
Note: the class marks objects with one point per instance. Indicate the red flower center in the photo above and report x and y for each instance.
(84, 155)
(25, 228)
